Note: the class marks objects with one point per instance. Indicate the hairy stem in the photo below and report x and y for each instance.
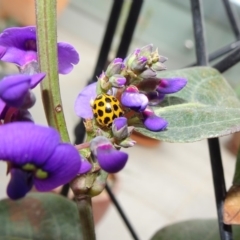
(48, 63)
(84, 205)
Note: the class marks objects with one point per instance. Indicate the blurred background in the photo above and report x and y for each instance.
(162, 182)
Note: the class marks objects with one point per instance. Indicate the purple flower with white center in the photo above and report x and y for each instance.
(15, 89)
(21, 49)
(153, 122)
(134, 100)
(36, 157)
(109, 159)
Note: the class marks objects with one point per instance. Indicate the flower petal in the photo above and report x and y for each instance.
(171, 85)
(24, 142)
(2, 108)
(36, 79)
(2, 51)
(61, 167)
(85, 166)
(17, 49)
(14, 88)
(110, 159)
(82, 104)
(67, 57)
(135, 101)
(20, 184)
(155, 123)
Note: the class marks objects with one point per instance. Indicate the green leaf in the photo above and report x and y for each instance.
(204, 229)
(207, 107)
(39, 216)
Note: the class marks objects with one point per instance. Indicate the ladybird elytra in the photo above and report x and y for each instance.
(105, 109)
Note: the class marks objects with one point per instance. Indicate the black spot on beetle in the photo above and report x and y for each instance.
(101, 104)
(106, 120)
(115, 107)
(100, 113)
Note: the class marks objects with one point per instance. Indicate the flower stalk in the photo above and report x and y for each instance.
(48, 63)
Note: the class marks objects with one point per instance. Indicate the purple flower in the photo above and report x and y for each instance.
(109, 159)
(134, 100)
(171, 85)
(85, 167)
(82, 104)
(15, 89)
(11, 114)
(21, 49)
(153, 122)
(37, 157)
(2, 51)
(157, 88)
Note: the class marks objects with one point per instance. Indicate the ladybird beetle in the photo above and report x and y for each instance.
(105, 109)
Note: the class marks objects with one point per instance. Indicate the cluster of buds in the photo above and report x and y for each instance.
(121, 99)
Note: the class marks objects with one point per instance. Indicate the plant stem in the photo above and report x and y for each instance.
(84, 205)
(48, 63)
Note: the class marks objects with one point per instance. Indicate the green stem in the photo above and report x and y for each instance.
(48, 63)
(236, 178)
(84, 205)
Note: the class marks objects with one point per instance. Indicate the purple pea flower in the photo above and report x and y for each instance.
(82, 105)
(157, 88)
(36, 156)
(134, 100)
(15, 89)
(21, 49)
(153, 122)
(109, 159)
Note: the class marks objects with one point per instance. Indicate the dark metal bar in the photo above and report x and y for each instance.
(230, 60)
(108, 37)
(232, 18)
(129, 28)
(214, 148)
(122, 214)
(220, 52)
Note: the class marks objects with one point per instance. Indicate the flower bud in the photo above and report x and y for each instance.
(117, 81)
(148, 73)
(139, 64)
(132, 57)
(128, 142)
(120, 128)
(158, 66)
(146, 50)
(109, 159)
(114, 67)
